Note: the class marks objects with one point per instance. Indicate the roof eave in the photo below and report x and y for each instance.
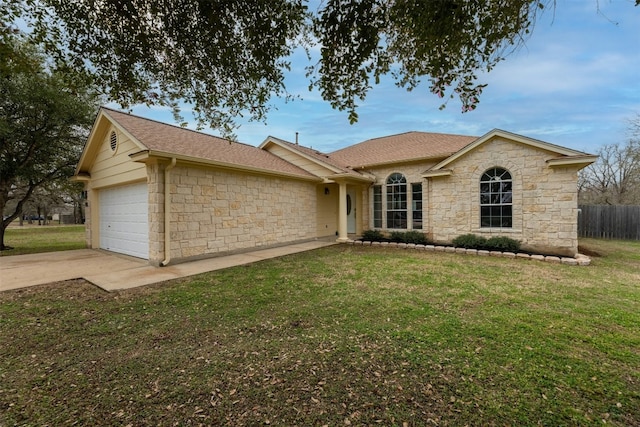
(81, 177)
(437, 173)
(350, 177)
(392, 162)
(144, 156)
(582, 161)
(288, 147)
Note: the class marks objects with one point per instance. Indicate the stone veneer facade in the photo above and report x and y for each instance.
(215, 211)
(544, 198)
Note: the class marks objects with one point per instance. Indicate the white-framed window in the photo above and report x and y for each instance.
(396, 201)
(496, 199)
(416, 205)
(377, 206)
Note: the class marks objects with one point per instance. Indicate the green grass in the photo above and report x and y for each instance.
(344, 335)
(36, 239)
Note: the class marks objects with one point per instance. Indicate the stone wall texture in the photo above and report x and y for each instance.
(215, 211)
(155, 180)
(544, 198)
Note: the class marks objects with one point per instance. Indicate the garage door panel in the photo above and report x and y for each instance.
(124, 226)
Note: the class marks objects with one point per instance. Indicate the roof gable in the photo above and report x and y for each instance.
(101, 125)
(164, 140)
(299, 155)
(572, 156)
(314, 161)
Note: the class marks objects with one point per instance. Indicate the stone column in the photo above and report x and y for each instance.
(342, 212)
(155, 184)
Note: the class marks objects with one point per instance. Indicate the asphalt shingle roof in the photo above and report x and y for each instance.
(401, 147)
(170, 139)
(157, 136)
(325, 158)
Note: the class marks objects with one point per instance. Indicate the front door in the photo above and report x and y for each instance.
(351, 211)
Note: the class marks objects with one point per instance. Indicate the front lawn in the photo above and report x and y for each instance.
(31, 239)
(344, 335)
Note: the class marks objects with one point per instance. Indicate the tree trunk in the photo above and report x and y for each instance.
(2, 245)
(4, 196)
(3, 226)
(77, 213)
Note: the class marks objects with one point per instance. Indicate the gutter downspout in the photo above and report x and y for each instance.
(167, 213)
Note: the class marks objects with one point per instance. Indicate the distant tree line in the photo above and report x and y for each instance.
(614, 179)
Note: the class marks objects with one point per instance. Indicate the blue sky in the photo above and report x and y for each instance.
(575, 82)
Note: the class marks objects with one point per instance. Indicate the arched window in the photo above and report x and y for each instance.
(396, 201)
(496, 196)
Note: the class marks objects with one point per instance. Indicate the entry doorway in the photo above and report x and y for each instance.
(351, 211)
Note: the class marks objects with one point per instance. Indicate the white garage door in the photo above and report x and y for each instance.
(124, 220)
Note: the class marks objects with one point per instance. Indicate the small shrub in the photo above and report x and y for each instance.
(415, 237)
(470, 241)
(496, 243)
(372, 236)
(397, 236)
(503, 243)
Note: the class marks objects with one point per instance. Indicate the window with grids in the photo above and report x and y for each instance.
(377, 206)
(416, 205)
(496, 196)
(396, 201)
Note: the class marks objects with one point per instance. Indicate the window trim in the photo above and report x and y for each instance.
(377, 206)
(497, 200)
(397, 199)
(416, 206)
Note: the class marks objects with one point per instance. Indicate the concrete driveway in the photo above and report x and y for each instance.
(112, 271)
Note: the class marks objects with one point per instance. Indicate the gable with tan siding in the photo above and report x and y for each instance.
(110, 168)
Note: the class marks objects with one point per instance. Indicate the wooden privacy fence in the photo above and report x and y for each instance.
(609, 222)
